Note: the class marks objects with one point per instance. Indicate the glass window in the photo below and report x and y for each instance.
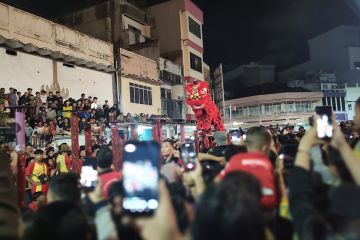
(338, 99)
(194, 28)
(195, 62)
(132, 93)
(168, 94)
(357, 65)
(140, 94)
(343, 104)
(163, 93)
(333, 103)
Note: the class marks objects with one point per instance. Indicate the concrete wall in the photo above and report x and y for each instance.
(143, 71)
(133, 108)
(134, 64)
(82, 80)
(167, 21)
(188, 71)
(29, 29)
(26, 70)
(128, 21)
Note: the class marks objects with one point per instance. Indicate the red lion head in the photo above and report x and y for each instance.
(197, 94)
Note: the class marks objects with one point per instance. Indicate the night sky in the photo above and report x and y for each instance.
(240, 31)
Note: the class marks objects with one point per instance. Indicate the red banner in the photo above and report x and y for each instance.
(75, 142)
(88, 140)
(116, 148)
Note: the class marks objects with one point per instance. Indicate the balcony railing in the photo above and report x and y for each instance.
(172, 108)
(169, 77)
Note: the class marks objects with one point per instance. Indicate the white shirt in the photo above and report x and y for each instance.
(93, 106)
(43, 98)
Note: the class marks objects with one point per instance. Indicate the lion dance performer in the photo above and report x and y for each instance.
(206, 112)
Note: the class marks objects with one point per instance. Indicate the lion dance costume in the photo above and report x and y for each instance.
(206, 112)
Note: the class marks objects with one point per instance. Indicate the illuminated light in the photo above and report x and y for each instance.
(152, 204)
(130, 148)
(237, 123)
(190, 165)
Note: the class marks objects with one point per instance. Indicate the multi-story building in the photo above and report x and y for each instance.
(133, 29)
(119, 22)
(41, 54)
(278, 108)
(140, 85)
(172, 90)
(179, 30)
(336, 51)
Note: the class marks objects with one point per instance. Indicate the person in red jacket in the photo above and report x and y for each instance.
(107, 175)
(257, 162)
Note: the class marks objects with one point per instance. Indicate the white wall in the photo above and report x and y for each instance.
(26, 70)
(82, 80)
(134, 108)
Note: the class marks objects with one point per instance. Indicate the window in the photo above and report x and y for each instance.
(165, 93)
(194, 28)
(333, 103)
(343, 104)
(140, 94)
(195, 62)
(338, 99)
(357, 65)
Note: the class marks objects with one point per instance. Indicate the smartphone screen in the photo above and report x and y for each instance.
(324, 122)
(140, 177)
(188, 156)
(89, 174)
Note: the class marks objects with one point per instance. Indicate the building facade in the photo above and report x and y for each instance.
(336, 51)
(120, 23)
(172, 90)
(140, 85)
(279, 108)
(41, 54)
(179, 30)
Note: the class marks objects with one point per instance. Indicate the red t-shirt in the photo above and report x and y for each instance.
(259, 165)
(107, 179)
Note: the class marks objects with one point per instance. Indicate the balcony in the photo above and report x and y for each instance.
(170, 78)
(172, 108)
(136, 38)
(136, 13)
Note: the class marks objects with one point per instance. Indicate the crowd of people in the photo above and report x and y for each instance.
(48, 114)
(273, 182)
